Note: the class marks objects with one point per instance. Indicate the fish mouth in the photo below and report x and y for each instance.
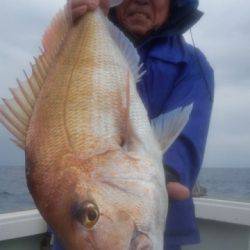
(140, 241)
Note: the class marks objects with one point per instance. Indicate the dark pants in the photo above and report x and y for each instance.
(172, 247)
(57, 245)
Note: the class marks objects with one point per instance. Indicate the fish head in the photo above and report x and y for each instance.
(112, 201)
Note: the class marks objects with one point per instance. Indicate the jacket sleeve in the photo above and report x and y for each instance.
(195, 85)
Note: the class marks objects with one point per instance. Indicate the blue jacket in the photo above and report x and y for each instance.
(178, 74)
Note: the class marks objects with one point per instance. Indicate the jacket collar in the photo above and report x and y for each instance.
(169, 49)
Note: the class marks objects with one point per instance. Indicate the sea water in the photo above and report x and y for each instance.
(221, 183)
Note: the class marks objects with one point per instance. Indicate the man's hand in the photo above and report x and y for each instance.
(177, 191)
(80, 7)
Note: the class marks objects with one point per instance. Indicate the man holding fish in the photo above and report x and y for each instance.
(176, 75)
(93, 160)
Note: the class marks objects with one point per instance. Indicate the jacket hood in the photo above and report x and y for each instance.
(183, 15)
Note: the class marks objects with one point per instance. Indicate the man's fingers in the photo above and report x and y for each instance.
(78, 3)
(177, 191)
(79, 12)
(80, 7)
(104, 4)
(92, 5)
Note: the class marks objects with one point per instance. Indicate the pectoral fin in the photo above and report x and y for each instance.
(168, 126)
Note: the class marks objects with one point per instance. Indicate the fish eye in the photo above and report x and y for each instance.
(87, 214)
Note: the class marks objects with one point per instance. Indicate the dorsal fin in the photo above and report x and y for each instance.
(16, 112)
(127, 49)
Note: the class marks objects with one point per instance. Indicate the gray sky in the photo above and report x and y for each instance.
(222, 34)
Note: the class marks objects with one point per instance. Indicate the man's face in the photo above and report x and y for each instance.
(140, 17)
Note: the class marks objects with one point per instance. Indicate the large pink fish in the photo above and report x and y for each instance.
(93, 163)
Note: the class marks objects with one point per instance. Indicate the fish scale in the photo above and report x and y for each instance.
(88, 140)
(89, 93)
(93, 90)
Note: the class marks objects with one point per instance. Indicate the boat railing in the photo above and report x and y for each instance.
(217, 219)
